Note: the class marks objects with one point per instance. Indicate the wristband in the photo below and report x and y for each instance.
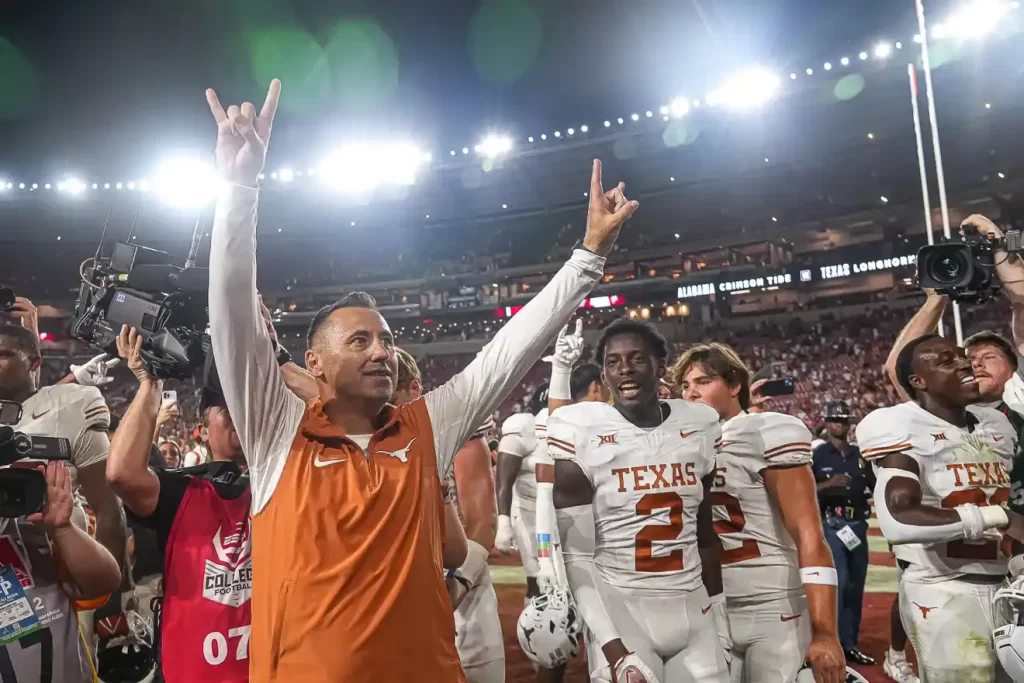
(972, 519)
(824, 576)
(559, 388)
(994, 517)
(283, 356)
(472, 570)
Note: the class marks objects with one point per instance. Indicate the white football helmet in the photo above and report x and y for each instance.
(549, 629)
(805, 675)
(1008, 628)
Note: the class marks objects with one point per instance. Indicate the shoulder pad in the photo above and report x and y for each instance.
(520, 423)
(787, 441)
(883, 432)
(692, 411)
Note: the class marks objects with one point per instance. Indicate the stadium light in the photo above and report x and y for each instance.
(495, 145)
(679, 107)
(529, 139)
(71, 186)
(828, 66)
(5, 186)
(584, 128)
(571, 131)
(365, 167)
(845, 61)
(974, 20)
(185, 183)
(809, 71)
(863, 56)
(286, 175)
(607, 124)
(747, 89)
(558, 134)
(883, 50)
(792, 77)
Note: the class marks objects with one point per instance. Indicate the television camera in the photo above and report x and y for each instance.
(23, 491)
(965, 269)
(139, 287)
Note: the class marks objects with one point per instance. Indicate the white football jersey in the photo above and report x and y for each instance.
(523, 435)
(647, 488)
(758, 556)
(957, 466)
(73, 412)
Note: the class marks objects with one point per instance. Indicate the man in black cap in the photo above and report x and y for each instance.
(845, 483)
(201, 519)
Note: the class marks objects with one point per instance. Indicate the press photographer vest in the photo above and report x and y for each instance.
(53, 651)
(204, 630)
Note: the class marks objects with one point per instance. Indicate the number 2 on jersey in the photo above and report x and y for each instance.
(644, 539)
(748, 549)
(974, 550)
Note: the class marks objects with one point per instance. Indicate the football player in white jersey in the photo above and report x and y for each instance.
(942, 477)
(471, 488)
(780, 583)
(77, 413)
(632, 494)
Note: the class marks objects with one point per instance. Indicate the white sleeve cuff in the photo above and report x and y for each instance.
(472, 570)
(560, 387)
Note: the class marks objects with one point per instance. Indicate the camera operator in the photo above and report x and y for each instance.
(76, 413)
(202, 515)
(46, 562)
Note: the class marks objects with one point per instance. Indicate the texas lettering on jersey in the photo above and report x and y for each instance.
(647, 488)
(654, 477)
(957, 466)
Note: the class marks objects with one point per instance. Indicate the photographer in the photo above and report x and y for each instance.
(201, 517)
(76, 413)
(46, 562)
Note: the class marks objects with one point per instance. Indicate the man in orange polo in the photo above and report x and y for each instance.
(347, 516)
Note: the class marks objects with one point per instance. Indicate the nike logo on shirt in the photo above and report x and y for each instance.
(704, 610)
(785, 618)
(36, 417)
(324, 463)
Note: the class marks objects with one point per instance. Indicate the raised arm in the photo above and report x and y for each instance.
(925, 321)
(128, 470)
(458, 407)
(265, 413)
(1009, 270)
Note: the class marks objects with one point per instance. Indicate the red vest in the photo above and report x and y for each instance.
(204, 632)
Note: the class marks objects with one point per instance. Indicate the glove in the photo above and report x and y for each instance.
(568, 348)
(631, 669)
(94, 373)
(721, 617)
(505, 539)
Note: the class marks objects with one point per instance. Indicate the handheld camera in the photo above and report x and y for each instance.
(23, 491)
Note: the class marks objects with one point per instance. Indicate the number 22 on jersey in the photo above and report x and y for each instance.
(644, 540)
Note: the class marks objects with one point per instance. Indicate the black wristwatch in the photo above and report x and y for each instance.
(282, 355)
(579, 245)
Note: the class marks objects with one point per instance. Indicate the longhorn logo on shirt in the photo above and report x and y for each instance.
(607, 439)
(228, 578)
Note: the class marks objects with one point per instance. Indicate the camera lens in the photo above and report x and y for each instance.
(949, 269)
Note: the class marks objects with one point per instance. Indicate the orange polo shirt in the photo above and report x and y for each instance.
(346, 543)
(356, 591)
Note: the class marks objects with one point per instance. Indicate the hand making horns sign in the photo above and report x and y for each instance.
(243, 137)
